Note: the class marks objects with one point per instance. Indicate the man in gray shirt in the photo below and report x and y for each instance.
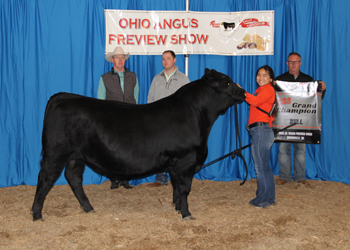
(164, 84)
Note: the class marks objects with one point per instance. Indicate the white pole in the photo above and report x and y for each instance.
(187, 55)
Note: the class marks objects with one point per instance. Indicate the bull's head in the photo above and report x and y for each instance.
(224, 84)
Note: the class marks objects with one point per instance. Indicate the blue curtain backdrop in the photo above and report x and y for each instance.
(52, 46)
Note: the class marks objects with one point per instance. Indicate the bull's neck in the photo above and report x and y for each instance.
(207, 102)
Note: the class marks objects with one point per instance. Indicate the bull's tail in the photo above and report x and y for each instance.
(49, 106)
(58, 96)
(47, 110)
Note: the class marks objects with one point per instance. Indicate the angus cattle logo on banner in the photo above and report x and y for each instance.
(227, 26)
(299, 103)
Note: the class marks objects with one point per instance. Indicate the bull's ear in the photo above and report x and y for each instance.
(208, 76)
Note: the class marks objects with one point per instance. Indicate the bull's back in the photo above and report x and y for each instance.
(108, 133)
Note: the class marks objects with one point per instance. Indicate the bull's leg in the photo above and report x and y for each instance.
(176, 193)
(182, 187)
(74, 175)
(46, 179)
(185, 184)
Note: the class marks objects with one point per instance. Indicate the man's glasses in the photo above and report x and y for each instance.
(293, 62)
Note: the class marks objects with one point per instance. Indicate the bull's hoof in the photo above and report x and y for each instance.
(126, 185)
(38, 219)
(189, 218)
(91, 212)
(89, 209)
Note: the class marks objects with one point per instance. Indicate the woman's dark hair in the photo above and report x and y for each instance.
(269, 70)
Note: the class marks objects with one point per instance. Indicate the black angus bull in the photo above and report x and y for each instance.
(123, 141)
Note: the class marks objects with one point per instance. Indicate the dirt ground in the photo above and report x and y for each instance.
(315, 217)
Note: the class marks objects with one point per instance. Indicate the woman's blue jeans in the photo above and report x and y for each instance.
(262, 141)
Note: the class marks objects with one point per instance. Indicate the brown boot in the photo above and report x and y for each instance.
(155, 184)
(281, 182)
(305, 182)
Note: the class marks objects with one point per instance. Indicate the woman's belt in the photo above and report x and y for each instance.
(255, 124)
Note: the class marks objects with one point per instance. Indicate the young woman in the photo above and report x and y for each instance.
(259, 124)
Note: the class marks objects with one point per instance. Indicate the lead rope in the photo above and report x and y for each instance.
(239, 150)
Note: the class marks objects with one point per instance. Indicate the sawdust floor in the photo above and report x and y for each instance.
(315, 217)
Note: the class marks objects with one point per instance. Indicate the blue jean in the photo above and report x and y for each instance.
(162, 178)
(262, 141)
(285, 162)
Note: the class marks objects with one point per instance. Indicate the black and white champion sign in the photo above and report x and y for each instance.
(298, 103)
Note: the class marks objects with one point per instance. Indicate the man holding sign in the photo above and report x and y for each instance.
(284, 158)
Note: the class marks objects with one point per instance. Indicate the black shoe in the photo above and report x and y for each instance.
(115, 184)
(126, 185)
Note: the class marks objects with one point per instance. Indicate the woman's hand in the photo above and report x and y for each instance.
(243, 89)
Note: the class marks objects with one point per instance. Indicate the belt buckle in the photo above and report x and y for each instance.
(247, 126)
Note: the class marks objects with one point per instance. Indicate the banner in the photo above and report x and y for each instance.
(219, 33)
(300, 103)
